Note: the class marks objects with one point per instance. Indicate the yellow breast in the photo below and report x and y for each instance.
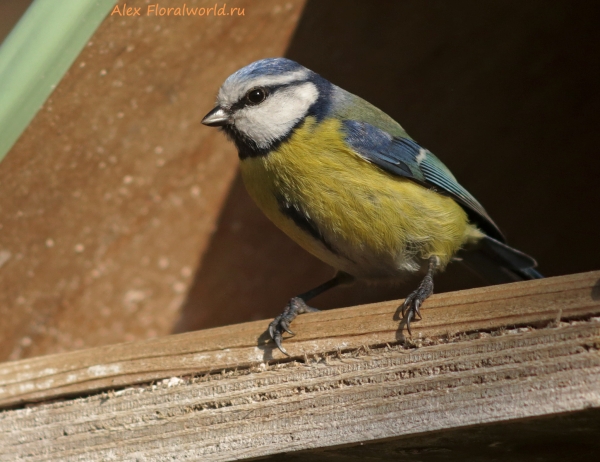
(373, 224)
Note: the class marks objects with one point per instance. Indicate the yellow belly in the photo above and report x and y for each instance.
(377, 224)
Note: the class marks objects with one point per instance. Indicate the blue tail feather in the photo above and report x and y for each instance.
(499, 263)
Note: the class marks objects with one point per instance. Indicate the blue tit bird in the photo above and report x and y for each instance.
(346, 182)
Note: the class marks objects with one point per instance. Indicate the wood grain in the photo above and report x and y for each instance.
(325, 401)
(245, 345)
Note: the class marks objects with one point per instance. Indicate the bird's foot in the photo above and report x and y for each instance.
(412, 304)
(281, 323)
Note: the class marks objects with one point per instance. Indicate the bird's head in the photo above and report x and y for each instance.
(259, 106)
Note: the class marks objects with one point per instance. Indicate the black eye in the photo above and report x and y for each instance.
(256, 96)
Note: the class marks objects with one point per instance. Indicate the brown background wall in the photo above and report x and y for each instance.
(504, 92)
(10, 12)
(111, 194)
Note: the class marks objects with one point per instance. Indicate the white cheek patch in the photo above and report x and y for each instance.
(275, 117)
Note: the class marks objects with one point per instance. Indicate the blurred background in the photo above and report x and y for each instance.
(163, 238)
(10, 12)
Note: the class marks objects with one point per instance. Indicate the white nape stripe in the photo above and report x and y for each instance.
(274, 118)
(282, 79)
(237, 86)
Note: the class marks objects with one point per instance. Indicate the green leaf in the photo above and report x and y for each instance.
(36, 55)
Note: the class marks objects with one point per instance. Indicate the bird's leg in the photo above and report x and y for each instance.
(410, 307)
(297, 305)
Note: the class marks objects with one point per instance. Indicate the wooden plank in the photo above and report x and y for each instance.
(326, 401)
(246, 345)
(569, 437)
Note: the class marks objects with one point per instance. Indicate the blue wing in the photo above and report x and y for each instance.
(404, 157)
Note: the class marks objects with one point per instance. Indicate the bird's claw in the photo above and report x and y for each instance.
(411, 308)
(281, 323)
(276, 334)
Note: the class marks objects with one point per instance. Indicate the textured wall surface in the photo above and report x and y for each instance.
(109, 197)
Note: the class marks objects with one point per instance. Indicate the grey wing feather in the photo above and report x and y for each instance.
(404, 157)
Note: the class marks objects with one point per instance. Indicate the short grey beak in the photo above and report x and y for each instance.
(216, 118)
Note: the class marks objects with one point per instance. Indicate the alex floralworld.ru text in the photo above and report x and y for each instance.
(156, 9)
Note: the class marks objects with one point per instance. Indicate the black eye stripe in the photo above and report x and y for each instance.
(270, 90)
